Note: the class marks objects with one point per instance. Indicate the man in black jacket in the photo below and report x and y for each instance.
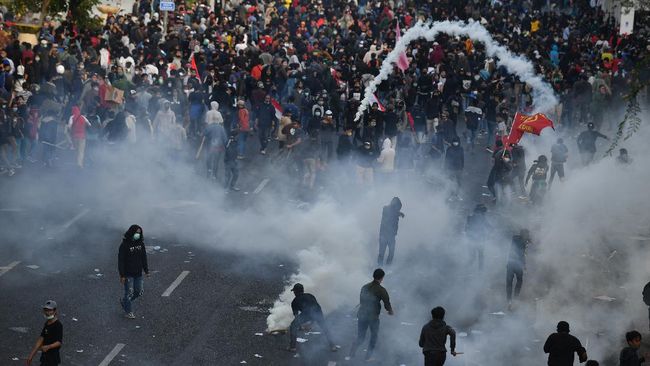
(516, 264)
(388, 230)
(562, 346)
(454, 164)
(305, 309)
(132, 260)
(434, 337)
(370, 298)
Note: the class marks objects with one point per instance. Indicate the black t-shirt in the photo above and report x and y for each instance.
(52, 333)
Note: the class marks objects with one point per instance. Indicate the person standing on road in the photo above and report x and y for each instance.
(51, 338)
(559, 155)
(231, 163)
(454, 165)
(587, 143)
(369, 308)
(305, 309)
(562, 347)
(132, 261)
(388, 230)
(516, 264)
(77, 126)
(434, 337)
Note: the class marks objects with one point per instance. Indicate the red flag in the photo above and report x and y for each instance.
(193, 66)
(409, 116)
(531, 124)
(402, 60)
(278, 108)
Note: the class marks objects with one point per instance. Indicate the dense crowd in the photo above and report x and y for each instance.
(295, 71)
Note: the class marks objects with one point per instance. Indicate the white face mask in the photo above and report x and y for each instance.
(455, 143)
(292, 131)
(48, 317)
(136, 236)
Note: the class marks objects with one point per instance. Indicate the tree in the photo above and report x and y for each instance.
(78, 10)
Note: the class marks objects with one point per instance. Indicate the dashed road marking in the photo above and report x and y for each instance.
(175, 284)
(76, 218)
(109, 357)
(8, 268)
(261, 186)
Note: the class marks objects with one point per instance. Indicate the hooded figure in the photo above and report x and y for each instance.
(387, 157)
(562, 346)
(213, 115)
(388, 230)
(165, 119)
(433, 338)
(131, 262)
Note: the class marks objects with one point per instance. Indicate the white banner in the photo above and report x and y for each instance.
(627, 20)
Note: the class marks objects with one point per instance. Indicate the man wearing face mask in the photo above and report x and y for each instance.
(132, 261)
(51, 338)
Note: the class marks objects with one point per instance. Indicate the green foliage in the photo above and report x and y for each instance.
(632, 120)
(80, 10)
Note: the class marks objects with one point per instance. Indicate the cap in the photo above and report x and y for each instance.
(328, 112)
(298, 287)
(50, 305)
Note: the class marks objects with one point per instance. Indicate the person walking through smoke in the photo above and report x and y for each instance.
(587, 143)
(370, 298)
(562, 347)
(477, 229)
(433, 338)
(388, 230)
(559, 155)
(51, 338)
(306, 309)
(516, 264)
(132, 260)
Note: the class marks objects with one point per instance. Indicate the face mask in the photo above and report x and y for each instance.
(507, 160)
(136, 236)
(48, 317)
(37, 59)
(14, 109)
(292, 131)
(455, 143)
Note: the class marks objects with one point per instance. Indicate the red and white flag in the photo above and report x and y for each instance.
(373, 99)
(278, 108)
(193, 66)
(402, 59)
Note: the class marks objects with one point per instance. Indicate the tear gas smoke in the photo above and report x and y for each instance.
(542, 92)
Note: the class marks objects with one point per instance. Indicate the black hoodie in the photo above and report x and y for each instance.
(434, 336)
(390, 218)
(132, 257)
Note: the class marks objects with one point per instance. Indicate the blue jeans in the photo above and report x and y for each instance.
(132, 290)
(363, 325)
(241, 142)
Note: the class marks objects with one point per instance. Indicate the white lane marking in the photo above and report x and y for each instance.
(76, 218)
(261, 186)
(109, 357)
(8, 268)
(175, 284)
(331, 363)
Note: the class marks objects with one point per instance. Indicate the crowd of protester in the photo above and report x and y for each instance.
(294, 71)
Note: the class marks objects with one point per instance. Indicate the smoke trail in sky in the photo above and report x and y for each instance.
(518, 65)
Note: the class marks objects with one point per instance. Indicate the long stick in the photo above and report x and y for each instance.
(198, 153)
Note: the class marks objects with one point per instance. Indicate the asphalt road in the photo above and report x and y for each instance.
(59, 245)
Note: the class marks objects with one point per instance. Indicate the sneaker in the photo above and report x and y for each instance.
(11, 172)
(16, 166)
(235, 189)
(240, 157)
(263, 152)
(130, 315)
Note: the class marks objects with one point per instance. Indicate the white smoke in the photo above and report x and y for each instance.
(518, 65)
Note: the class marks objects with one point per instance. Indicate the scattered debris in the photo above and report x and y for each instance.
(301, 340)
(137, 327)
(96, 269)
(75, 319)
(243, 362)
(80, 351)
(316, 333)
(280, 265)
(499, 313)
(259, 334)
(406, 323)
(258, 356)
(15, 359)
(157, 247)
(33, 266)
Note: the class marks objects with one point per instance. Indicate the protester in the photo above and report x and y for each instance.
(516, 264)
(372, 294)
(132, 261)
(433, 338)
(388, 230)
(630, 354)
(477, 230)
(559, 156)
(51, 339)
(306, 309)
(562, 347)
(587, 143)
